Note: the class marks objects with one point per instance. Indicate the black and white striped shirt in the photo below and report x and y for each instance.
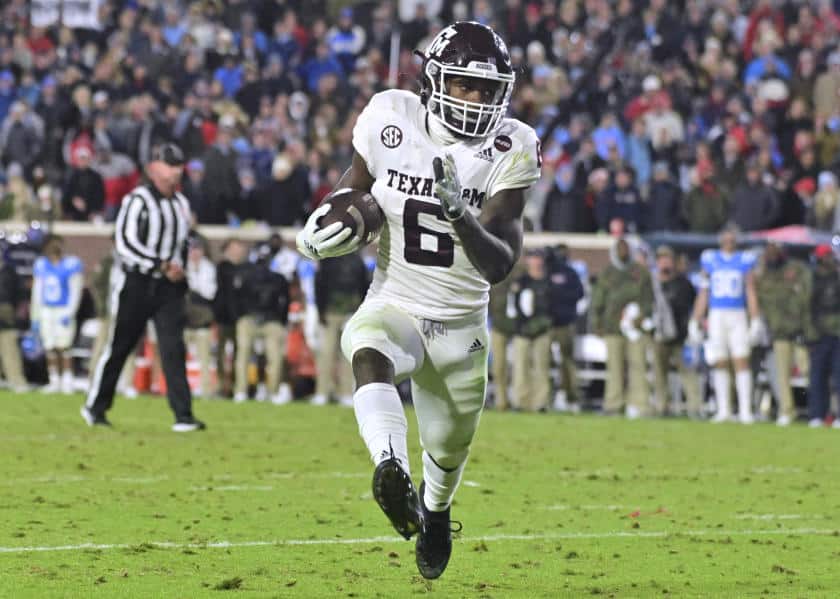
(151, 229)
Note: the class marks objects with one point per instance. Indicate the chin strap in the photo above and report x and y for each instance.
(439, 132)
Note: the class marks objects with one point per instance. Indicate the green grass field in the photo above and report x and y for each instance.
(275, 502)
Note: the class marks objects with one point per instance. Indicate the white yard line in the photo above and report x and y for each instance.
(234, 488)
(486, 538)
(611, 508)
(59, 479)
(779, 517)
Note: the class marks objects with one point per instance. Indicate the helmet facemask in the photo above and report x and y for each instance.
(469, 119)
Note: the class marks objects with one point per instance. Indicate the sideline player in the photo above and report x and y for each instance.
(57, 282)
(729, 293)
(452, 229)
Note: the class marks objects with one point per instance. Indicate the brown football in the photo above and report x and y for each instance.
(357, 210)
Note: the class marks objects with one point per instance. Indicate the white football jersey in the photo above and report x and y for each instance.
(422, 266)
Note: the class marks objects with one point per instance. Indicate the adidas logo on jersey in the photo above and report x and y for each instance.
(477, 345)
(485, 154)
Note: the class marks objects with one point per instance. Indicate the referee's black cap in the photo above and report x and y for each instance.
(169, 153)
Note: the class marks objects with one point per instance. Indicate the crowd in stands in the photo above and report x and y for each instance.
(704, 112)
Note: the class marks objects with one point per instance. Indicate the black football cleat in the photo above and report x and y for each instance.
(93, 419)
(434, 543)
(396, 495)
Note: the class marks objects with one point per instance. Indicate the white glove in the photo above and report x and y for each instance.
(695, 333)
(629, 316)
(448, 188)
(758, 332)
(334, 240)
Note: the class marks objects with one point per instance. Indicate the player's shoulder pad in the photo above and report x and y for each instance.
(521, 136)
(40, 265)
(708, 258)
(749, 258)
(394, 100)
(72, 264)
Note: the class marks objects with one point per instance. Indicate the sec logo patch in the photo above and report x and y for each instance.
(391, 136)
(502, 143)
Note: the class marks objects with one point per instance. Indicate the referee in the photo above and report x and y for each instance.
(151, 242)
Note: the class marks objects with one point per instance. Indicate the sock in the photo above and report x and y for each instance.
(440, 484)
(720, 381)
(382, 422)
(54, 376)
(743, 385)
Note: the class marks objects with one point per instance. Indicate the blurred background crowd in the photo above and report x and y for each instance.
(702, 112)
(675, 118)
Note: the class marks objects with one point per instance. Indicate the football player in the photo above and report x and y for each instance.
(57, 282)
(727, 290)
(449, 171)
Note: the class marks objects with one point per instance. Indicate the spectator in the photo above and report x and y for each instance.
(119, 176)
(564, 206)
(220, 186)
(705, 208)
(652, 95)
(10, 296)
(608, 135)
(84, 193)
(638, 153)
(225, 308)
(284, 45)
(623, 299)
(346, 40)
(824, 213)
(319, 66)
(340, 286)
(621, 201)
(674, 302)
(18, 199)
(662, 210)
(193, 187)
(21, 136)
(665, 128)
(755, 205)
(8, 93)
(202, 284)
(730, 168)
(530, 297)
(263, 311)
(783, 289)
(282, 199)
(826, 102)
(566, 290)
(502, 329)
(823, 335)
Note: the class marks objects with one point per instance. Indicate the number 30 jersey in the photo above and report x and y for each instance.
(725, 277)
(422, 266)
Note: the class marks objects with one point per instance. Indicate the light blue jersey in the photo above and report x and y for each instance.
(726, 278)
(55, 280)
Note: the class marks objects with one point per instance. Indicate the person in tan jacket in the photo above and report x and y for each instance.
(622, 303)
